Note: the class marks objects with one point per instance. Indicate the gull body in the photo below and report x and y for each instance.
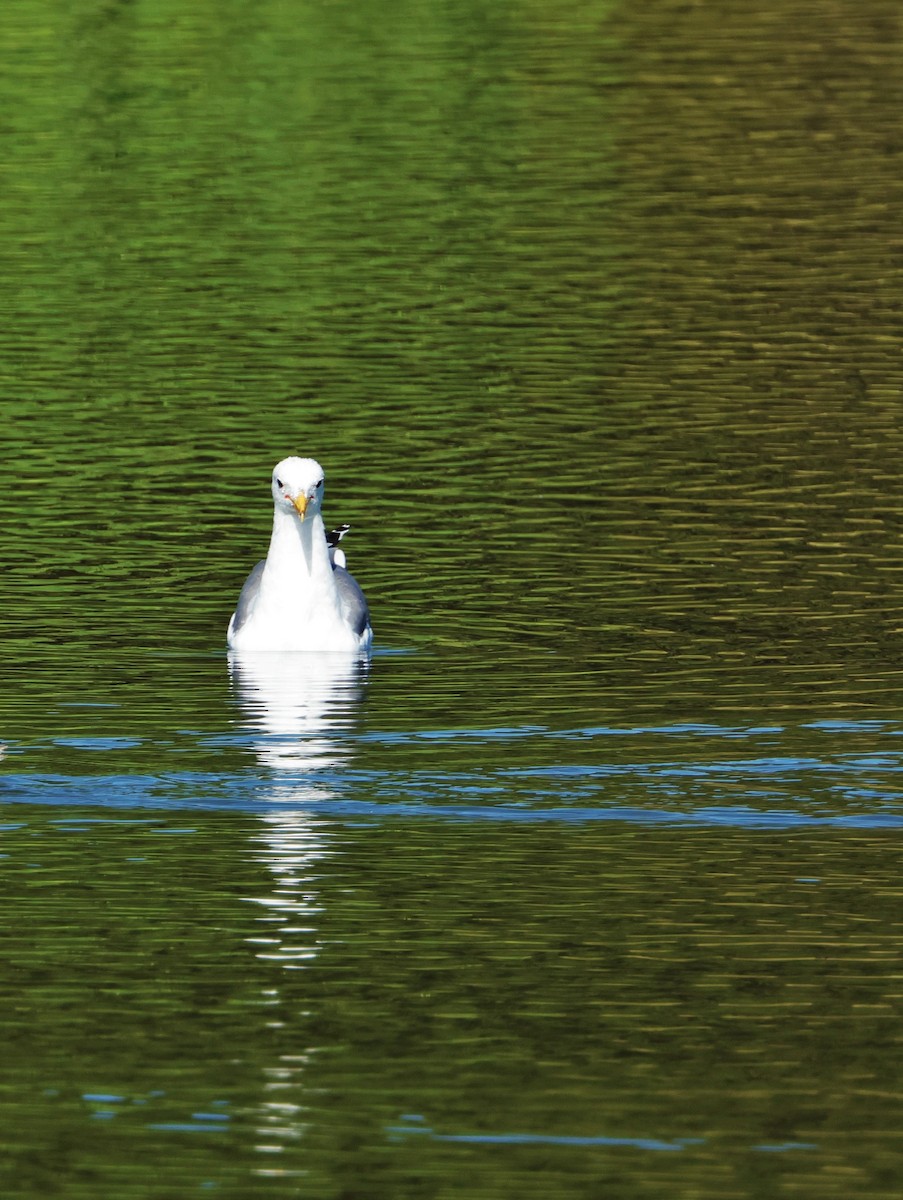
(300, 597)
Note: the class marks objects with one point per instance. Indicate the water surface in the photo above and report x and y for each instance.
(588, 882)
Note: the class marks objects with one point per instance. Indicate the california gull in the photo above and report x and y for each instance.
(300, 597)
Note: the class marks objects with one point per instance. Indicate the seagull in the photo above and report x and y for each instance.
(300, 597)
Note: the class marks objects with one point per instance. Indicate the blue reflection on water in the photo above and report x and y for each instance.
(249, 793)
(97, 743)
(415, 1126)
(397, 1132)
(306, 749)
(186, 1127)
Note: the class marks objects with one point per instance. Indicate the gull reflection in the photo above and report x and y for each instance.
(300, 710)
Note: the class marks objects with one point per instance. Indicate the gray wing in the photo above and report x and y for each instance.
(247, 597)
(354, 605)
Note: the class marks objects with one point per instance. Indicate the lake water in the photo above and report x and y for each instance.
(587, 885)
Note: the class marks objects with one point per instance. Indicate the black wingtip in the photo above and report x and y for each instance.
(334, 536)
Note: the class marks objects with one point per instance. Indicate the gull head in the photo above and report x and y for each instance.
(298, 486)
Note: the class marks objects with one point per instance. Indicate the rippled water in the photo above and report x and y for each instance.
(587, 883)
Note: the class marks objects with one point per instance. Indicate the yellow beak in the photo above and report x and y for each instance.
(300, 503)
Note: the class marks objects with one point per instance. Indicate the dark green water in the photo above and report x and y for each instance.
(588, 886)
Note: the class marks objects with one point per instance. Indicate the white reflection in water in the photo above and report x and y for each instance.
(300, 710)
(292, 845)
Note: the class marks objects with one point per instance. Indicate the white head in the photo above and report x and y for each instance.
(298, 486)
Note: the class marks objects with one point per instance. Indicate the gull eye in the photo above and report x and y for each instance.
(319, 483)
(278, 483)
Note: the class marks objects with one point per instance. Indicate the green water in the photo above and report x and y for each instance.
(588, 885)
